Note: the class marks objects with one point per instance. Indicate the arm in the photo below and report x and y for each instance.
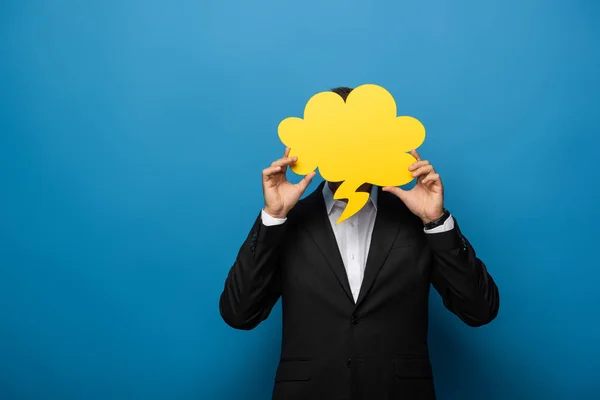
(252, 286)
(461, 279)
(457, 274)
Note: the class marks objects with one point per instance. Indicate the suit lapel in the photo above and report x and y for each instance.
(319, 228)
(385, 230)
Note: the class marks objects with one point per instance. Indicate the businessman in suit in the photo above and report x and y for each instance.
(355, 295)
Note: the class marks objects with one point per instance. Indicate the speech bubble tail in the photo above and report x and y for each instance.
(356, 200)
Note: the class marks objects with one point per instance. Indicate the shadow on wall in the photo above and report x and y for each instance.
(465, 370)
(252, 375)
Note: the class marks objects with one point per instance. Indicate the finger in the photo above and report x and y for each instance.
(418, 164)
(303, 184)
(432, 178)
(394, 190)
(284, 162)
(415, 154)
(268, 172)
(422, 171)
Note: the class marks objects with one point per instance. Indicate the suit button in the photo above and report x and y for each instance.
(349, 362)
(354, 320)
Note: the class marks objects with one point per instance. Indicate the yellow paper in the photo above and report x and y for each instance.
(358, 141)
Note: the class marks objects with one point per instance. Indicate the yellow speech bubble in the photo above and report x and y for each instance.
(354, 142)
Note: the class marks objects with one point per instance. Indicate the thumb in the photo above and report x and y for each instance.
(303, 184)
(396, 191)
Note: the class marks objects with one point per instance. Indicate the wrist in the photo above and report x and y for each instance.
(429, 220)
(275, 214)
(440, 220)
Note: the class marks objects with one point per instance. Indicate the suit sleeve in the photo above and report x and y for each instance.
(252, 286)
(462, 279)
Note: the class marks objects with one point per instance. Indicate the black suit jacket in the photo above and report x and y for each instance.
(332, 347)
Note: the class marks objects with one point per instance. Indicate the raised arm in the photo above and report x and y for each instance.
(252, 286)
(461, 278)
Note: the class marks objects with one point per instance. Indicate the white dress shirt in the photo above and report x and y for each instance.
(353, 235)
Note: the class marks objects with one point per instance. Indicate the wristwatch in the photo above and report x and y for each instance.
(438, 222)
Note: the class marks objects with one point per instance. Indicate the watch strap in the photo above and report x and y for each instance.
(438, 222)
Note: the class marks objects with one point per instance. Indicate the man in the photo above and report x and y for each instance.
(355, 294)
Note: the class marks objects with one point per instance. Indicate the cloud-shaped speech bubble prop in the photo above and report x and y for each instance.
(357, 141)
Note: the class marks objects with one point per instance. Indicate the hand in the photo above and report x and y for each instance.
(426, 198)
(280, 195)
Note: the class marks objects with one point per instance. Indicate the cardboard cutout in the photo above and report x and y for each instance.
(355, 142)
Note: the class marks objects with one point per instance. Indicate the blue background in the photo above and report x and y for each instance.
(133, 134)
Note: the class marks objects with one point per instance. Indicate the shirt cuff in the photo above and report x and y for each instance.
(447, 226)
(267, 220)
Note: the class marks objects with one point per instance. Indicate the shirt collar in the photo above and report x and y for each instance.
(330, 201)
